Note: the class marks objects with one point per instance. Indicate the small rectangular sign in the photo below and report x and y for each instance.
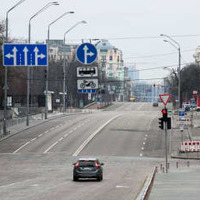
(87, 72)
(85, 84)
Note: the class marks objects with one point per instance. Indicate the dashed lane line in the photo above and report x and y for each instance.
(85, 143)
(50, 147)
(21, 147)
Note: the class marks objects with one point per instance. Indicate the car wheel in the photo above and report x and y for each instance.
(100, 178)
(75, 178)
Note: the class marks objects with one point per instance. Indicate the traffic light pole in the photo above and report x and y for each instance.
(166, 157)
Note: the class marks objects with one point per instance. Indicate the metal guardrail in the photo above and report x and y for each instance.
(19, 120)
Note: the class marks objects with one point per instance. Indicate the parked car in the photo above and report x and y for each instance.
(155, 104)
(88, 168)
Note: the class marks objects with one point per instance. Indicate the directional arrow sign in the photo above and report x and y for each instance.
(25, 55)
(86, 53)
(164, 98)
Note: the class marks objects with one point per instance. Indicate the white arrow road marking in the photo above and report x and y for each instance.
(90, 54)
(85, 143)
(41, 56)
(9, 55)
(36, 50)
(25, 50)
(14, 56)
(85, 48)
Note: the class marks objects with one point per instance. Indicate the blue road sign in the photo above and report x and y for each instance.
(87, 91)
(25, 55)
(181, 113)
(86, 53)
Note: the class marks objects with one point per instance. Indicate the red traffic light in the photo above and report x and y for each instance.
(164, 111)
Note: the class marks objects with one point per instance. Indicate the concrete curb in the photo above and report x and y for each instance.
(144, 193)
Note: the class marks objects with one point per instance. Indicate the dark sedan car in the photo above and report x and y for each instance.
(88, 168)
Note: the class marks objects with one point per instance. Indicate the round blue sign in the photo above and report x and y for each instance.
(86, 53)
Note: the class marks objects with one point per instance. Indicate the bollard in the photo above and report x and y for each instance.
(176, 164)
(160, 166)
(163, 170)
(188, 163)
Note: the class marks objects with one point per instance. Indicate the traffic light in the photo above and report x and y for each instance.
(161, 123)
(169, 123)
(164, 112)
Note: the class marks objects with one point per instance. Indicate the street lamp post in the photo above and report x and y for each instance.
(64, 64)
(175, 44)
(47, 67)
(6, 72)
(29, 41)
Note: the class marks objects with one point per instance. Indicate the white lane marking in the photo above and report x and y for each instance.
(66, 135)
(61, 139)
(142, 148)
(71, 131)
(144, 143)
(141, 155)
(122, 186)
(40, 135)
(51, 147)
(145, 138)
(92, 136)
(46, 131)
(21, 147)
(33, 139)
(57, 126)
(51, 129)
(146, 135)
(11, 184)
(75, 128)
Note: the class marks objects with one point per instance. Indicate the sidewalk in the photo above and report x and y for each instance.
(33, 121)
(183, 178)
(177, 184)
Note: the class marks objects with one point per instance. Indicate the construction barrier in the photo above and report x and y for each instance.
(190, 146)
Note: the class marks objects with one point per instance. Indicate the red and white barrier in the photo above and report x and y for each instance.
(190, 146)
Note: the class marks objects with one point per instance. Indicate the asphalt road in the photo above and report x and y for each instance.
(37, 164)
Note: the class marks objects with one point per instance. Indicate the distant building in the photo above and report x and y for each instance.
(197, 55)
(57, 50)
(110, 60)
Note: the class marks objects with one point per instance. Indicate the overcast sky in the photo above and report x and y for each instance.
(132, 26)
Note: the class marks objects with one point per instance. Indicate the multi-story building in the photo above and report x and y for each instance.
(110, 60)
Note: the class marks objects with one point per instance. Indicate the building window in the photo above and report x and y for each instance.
(111, 58)
(103, 58)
